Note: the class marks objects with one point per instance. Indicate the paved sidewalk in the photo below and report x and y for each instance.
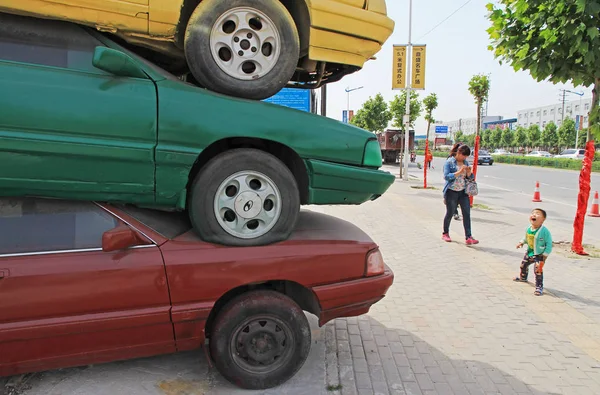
(454, 321)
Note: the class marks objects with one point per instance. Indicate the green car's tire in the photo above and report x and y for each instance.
(244, 197)
(242, 48)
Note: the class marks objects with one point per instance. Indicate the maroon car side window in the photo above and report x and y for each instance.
(47, 225)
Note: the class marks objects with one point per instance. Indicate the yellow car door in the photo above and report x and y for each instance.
(105, 15)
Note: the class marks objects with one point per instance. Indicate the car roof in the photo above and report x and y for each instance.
(310, 227)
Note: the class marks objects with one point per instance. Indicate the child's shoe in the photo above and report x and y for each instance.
(539, 291)
(446, 238)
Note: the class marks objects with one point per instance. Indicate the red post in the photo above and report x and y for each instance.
(475, 158)
(582, 199)
(425, 164)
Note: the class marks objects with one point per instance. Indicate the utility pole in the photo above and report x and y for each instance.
(324, 100)
(562, 119)
(580, 94)
(348, 90)
(408, 86)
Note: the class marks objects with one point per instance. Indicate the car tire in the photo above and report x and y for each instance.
(244, 197)
(260, 339)
(268, 61)
(491, 163)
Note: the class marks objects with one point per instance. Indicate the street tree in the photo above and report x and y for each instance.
(486, 138)
(479, 87)
(398, 109)
(497, 138)
(459, 137)
(374, 115)
(520, 137)
(567, 133)
(550, 136)
(507, 138)
(556, 41)
(533, 136)
(430, 103)
(469, 139)
(582, 138)
(553, 40)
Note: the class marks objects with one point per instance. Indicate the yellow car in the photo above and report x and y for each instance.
(243, 48)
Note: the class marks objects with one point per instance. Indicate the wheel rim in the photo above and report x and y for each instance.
(247, 204)
(245, 43)
(262, 344)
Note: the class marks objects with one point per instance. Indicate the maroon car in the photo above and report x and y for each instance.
(84, 283)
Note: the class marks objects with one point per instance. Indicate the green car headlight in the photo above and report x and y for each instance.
(372, 157)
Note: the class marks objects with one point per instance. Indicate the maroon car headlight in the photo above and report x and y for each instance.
(375, 264)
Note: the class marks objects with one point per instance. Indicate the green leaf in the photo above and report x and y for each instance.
(592, 32)
(489, 6)
(581, 5)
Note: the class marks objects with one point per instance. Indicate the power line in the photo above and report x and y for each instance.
(445, 19)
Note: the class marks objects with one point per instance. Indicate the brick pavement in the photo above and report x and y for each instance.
(454, 322)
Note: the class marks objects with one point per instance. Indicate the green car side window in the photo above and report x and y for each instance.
(47, 43)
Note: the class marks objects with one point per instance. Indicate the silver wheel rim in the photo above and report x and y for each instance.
(245, 43)
(247, 204)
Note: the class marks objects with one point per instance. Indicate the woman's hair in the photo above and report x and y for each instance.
(464, 150)
(454, 150)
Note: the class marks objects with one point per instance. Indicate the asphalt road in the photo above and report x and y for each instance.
(510, 188)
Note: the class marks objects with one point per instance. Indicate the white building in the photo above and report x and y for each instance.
(466, 125)
(541, 116)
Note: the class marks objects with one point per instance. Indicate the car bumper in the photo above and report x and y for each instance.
(344, 34)
(332, 183)
(352, 298)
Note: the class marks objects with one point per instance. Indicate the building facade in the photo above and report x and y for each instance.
(542, 116)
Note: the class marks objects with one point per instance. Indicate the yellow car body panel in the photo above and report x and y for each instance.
(341, 31)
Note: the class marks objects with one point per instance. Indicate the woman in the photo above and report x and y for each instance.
(452, 153)
(456, 173)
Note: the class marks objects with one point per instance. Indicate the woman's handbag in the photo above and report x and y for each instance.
(471, 188)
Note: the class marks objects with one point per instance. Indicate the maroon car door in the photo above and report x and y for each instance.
(64, 301)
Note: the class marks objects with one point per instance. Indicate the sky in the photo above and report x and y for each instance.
(456, 50)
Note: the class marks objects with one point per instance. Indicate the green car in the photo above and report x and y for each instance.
(81, 117)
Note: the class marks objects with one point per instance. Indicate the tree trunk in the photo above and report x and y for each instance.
(585, 177)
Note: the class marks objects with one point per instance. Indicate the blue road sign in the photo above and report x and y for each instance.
(298, 99)
(345, 116)
(441, 129)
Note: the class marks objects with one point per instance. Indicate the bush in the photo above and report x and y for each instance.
(557, 163)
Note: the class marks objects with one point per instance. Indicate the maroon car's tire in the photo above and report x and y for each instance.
(231, 181)
(252, 60)
(260, 339)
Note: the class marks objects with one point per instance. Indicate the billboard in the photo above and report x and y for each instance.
(441, 129)
(298, 99)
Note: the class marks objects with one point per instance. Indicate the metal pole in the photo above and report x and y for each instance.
(348, 104)
(324, 100)
(408, 86)
(580, 124)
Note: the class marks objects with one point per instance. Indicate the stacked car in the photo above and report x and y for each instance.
(147, 203)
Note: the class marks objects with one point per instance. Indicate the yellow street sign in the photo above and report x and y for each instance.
(399, 67)
(418, 67)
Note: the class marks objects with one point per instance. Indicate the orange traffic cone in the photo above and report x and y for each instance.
(595, 210)
(536, 193)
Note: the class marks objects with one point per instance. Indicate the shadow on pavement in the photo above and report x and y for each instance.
(503, 252)
(476, 219)
(376, 359)
(572, 297)
(186, 373)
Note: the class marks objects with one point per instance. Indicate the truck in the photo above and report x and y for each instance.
(391, 142)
